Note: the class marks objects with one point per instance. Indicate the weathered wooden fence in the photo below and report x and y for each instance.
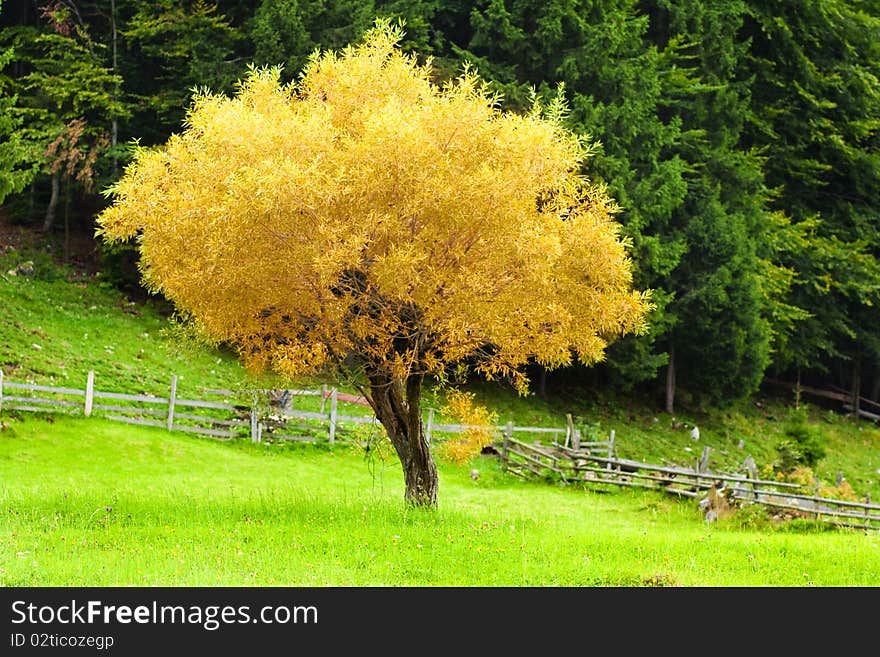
(558, 452)
(595, 465)
(261, 415)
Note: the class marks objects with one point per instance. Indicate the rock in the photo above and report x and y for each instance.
(475, 474)
(25, 268)
(695, 433)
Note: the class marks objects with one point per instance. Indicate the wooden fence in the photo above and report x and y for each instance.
(259, 414)
(558, 452)
(596, 465)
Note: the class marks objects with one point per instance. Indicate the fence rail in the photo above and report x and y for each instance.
(266, 416)
(593, 463)
(593, 469)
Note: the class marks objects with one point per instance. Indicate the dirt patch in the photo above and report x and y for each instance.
(80, 247)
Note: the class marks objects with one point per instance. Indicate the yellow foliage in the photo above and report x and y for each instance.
(366, 214)
(481, 427)
(806, 477)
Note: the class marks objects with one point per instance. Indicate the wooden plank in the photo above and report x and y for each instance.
(812, 512)
(35, 388)
(636, 465)
(457, 428)
(254, 434)
(312, 415)
(197, 403)
(538, 430)
(90, 393)
(862, 413)
(128, 409)
(172, 398)
(333, 409)
(537, 462)
(136, 420)
(40, 400)
(148, 399)
(813, 498)
(300, 439)
(633, 484)
(637, 484)
(704, 483)
(218, 391)
(202, 430)
(303, 427)
(430, 425)
(211, 420)
(42, 409)
(505, 448)
(534, 448)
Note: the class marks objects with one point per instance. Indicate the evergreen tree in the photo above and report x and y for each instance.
(816, 109)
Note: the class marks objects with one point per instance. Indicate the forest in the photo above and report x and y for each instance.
(740, 139)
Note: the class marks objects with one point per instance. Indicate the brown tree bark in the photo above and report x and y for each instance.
(856, 391)
(670, 382)
(49, 220)
(397, 405)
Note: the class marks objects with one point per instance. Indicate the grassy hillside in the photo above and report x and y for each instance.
(62, 322)
(89, 502)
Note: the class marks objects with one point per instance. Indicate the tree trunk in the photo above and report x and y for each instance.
(397, 405)
(670, 382)
(856, 385)
(875, 390)
(114, 125)
(542, 383)
(67, 220)
(53, 202)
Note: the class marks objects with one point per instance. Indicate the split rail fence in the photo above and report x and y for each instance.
(556, 452)
(596, 465)
(259, 414)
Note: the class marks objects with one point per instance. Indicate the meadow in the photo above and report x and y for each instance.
(85, 502)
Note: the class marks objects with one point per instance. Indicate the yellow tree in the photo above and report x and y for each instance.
(367, 218)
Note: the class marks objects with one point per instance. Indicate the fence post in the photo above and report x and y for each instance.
(171, 399)
(505, 446)
(610, 450)
(1, 391)
(332, 415)
(90, 393)
(255, 437)
(323, 396)
(752, 470)
(430, 425)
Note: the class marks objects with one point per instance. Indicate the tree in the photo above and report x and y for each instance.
(367, 219)
(66, 98)
(656, 84)
(816, 113)
(16, 168)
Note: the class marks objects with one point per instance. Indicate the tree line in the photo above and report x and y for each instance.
(739, 138)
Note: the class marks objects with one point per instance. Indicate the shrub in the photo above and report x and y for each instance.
(803, 445)
(461, 406)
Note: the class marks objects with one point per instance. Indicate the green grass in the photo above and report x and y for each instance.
(61, 323)
(87, 502)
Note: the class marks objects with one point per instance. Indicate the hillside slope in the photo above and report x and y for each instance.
(60, 322)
